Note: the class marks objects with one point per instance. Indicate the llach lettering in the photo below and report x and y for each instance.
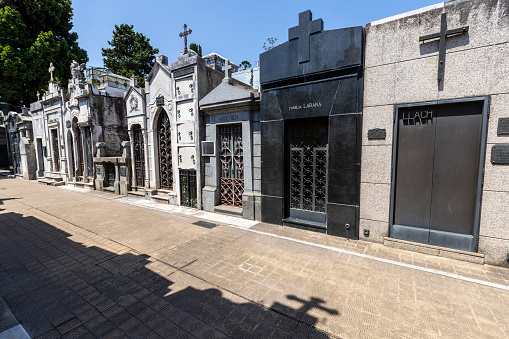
(309, 105)
(418, 116)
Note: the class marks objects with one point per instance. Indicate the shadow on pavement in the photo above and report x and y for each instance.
(57, 287)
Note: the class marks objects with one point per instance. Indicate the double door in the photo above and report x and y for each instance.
(438, 171)
(307, 179)
(232, 165)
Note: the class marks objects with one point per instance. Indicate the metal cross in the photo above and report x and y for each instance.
(184, 34)
(303, 31)
(444, 33)
(51, 69)
(226, 68)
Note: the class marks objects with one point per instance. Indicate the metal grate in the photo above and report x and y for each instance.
(165, 162)
(232, 165)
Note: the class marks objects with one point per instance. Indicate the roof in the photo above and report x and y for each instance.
(227, 92)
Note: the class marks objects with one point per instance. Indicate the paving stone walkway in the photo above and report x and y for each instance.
(83, 265)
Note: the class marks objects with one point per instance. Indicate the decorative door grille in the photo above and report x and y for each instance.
(139, 157)
(308, 177)
(165, 162)
(88, 148)
(80, 151)
(56, 153)
(232, 165)
(308, 169)
(188, 189)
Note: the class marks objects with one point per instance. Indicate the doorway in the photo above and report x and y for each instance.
(232, 165)
(439, 157)
(307, 169)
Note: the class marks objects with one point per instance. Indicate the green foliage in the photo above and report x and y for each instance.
(196, 48)
(34, 33)
(131, 53)
(245, 65)
(270, 44)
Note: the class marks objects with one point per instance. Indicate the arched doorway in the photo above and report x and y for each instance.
(164, 145)
(139, 156)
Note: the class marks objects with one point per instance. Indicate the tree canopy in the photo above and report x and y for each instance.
(245, 65)
(34, 33)
(196, 48)
(130, 53)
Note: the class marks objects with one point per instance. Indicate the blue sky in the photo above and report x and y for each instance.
(234, 29)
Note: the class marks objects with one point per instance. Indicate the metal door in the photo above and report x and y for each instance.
(139, 157)
(232, 165)
(165, 161)
(308, 170)
(80, 151)
(88, 149)
(56, 153)
(188, 190)
(438, 175)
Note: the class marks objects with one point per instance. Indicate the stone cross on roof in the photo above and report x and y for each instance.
(226, 68)
(303, 31)
(51, 69)
(184, 34)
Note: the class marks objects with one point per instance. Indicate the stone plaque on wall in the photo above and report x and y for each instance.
(500, 154)
(503, 126)
(377, 134)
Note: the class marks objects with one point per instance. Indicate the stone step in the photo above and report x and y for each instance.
(305, 225)
(477, 258)
(161, 198)
(139, 194)
(228, 210)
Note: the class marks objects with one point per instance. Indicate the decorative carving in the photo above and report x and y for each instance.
(76, 70)
(133, 102)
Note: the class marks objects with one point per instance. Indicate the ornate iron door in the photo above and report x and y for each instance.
(56, 153)
(232, 165)
(88, 148)
(165, 162)
(15, 153)
(308, 170)
(139, 157)
(188, 188)
(80, 151)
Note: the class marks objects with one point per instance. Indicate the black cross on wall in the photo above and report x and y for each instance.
(444, 33)
(303, 31)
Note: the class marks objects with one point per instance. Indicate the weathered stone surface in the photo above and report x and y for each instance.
(378, 117)
(376, 164)
(378, 230)
(375, 201)
(494, 215)
(495, 250)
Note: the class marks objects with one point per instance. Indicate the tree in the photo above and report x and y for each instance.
(131, 53)
(196, 48)
(271, 42)
(34, 33)
(245, 64)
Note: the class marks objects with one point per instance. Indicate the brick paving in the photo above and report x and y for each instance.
(79, 265)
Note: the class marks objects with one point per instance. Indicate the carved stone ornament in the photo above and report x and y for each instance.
(133, 102)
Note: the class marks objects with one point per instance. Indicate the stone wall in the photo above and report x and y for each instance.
(400, 69)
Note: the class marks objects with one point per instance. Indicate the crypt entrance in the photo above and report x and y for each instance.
(306, 175)
(232, 165)
(163, 135)
(138, 156)
(438, 160)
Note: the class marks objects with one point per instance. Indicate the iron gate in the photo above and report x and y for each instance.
(165, 162)
(188, 196)
(88, 149)
(139, 157)
(308, 170)
(232, 165)
(56, 153)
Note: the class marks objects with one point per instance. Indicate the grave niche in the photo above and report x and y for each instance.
(311, 113)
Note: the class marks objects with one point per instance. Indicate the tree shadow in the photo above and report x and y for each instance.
(58, 287)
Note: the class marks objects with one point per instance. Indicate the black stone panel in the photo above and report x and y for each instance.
(272, 209)
(344, 159)
(272, 136)
(342, 221)
(347, 98)
(269, 106)
(329, 50)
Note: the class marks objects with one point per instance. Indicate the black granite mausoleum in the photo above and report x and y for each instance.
(311, 115)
